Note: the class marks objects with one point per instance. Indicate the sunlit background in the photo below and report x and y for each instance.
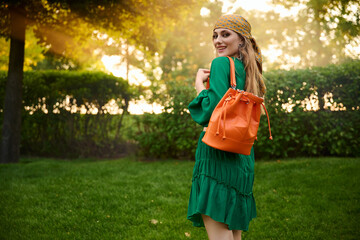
(136, 77)
(286, 33)
(116, 65)
(113, 63)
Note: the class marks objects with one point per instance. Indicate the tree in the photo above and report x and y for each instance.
(12, 107)
(56, 23)
(318, 35)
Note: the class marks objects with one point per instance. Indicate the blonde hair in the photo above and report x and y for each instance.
(254, 79)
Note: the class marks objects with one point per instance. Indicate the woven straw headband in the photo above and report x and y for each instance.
(239, 24)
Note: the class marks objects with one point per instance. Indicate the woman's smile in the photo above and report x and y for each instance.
(220, 49)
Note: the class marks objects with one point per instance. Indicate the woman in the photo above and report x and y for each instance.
(221, 197)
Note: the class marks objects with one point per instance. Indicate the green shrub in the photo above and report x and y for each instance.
(299, 132)
(312, 133)
(53, 126)
(173, 133)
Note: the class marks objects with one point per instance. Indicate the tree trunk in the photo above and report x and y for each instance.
(10, 144)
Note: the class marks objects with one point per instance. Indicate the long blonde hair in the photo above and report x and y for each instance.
(254, 79)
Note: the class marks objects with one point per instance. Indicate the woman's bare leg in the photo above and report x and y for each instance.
(237, 234)
(217, 230)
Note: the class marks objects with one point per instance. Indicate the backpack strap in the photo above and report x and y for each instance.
(232, 75)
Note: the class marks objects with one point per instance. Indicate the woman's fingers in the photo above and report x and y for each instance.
(206, 74)
(204, 70)
(201, 77)
(202, 74)
(206, 77)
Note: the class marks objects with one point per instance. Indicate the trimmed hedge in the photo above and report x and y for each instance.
(298, 132)
(173, 134)
(63, 131)
(312, 133)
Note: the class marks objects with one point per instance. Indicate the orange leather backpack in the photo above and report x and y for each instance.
(235, 120)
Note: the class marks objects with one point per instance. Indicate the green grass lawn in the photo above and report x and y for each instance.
(126, 199)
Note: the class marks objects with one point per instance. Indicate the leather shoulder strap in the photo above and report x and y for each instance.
(232, 73)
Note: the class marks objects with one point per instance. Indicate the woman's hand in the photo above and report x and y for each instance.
(201, 77)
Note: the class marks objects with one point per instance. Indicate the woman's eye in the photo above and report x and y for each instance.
(226, 34)
(214, 36)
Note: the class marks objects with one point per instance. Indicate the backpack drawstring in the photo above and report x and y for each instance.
(271, 138)
(219, 119)
(224, 113)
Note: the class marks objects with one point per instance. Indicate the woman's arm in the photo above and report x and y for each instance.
(203, 105)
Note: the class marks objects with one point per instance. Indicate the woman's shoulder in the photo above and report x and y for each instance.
(220, 64)
(223, 62)
(220, 61)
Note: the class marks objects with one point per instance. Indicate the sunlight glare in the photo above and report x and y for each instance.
(260, 5)
(137, 78)
(204, 11)
(142, 106)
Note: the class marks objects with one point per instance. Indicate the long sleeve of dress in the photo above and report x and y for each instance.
(204, 104)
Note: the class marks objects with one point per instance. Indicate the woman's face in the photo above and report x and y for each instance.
(226, 42)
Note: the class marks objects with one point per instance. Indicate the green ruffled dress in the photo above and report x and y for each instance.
(222, 182)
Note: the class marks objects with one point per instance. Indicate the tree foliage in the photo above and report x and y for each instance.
(319, 34)
(61, 22)
(34, 52)
(186, 48)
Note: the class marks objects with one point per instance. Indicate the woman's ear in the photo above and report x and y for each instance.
(241, 41)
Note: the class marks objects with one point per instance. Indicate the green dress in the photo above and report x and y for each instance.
(222, 182)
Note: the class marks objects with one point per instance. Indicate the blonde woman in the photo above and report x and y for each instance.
(221, 197)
